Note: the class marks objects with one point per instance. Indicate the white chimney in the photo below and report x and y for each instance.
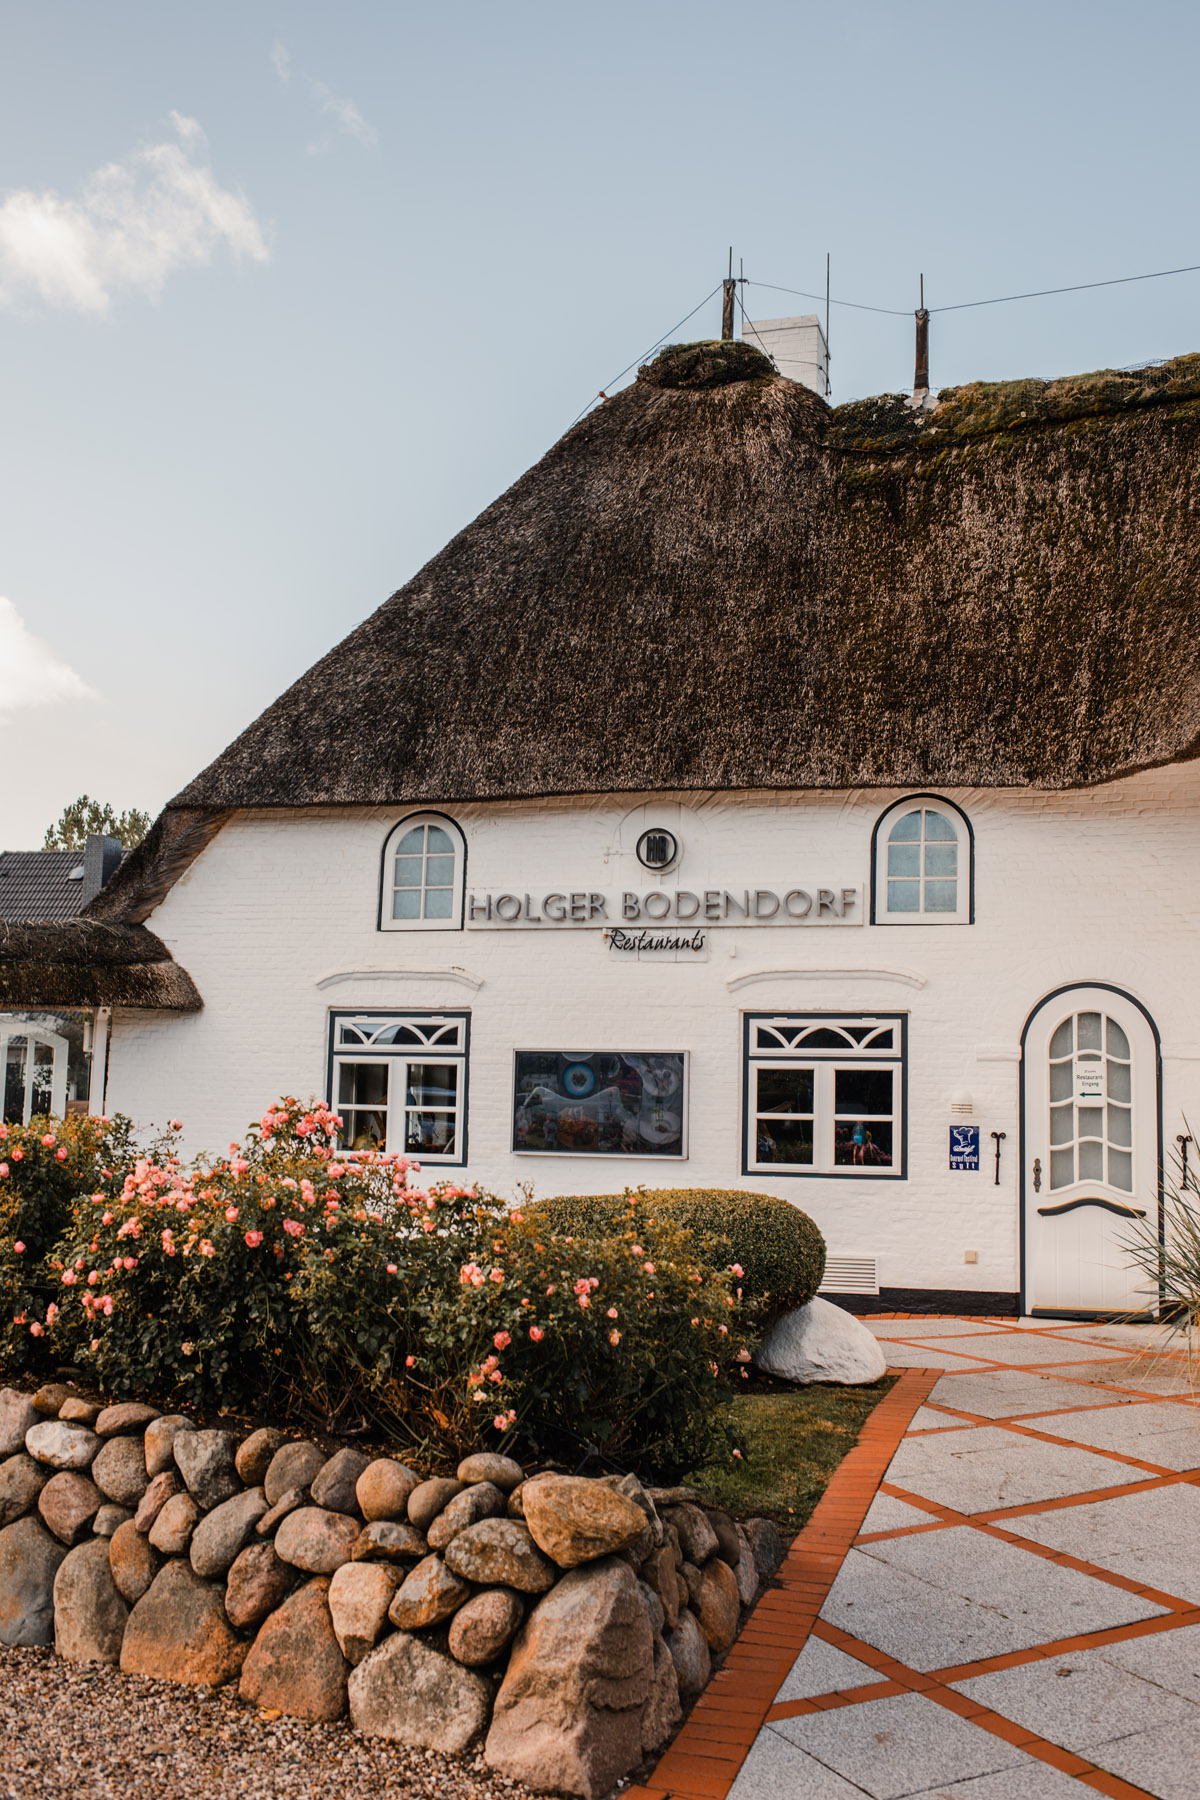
(798, 347)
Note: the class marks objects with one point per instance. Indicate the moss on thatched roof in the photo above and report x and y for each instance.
(83, 962)
(714, 581)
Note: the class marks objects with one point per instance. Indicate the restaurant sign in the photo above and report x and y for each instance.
(658, 906)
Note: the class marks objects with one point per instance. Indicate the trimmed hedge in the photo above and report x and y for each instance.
(779, 1249)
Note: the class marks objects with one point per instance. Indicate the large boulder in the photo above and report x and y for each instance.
(576, 1521)
(159, 1441)
(500, 1553)
(383, 1488)
(690, 1654)
(17, 1415)
(483, 1501)
(486, 1465)
(359, 1596)
(428, 1499)
(178, 1632)
(485, 1626)
(697, 1539)
(428, 1596)
(253, 1458)
(410, 1692)
(294, 1465)
(29, 1560)
(21, 1481)
(62, 1446)
(335, 1481)
(133, 1561)
(89, 1611)
(126, 1419)
(389, 1540)
(258, 1582)
(569, 1712)
(295, 1663)
(119, 1469)
(315, 1540)
(68, 1503)
(171, 1532)
(720, 1604)
(205, 1460)
(226, 1530)
(821, 1342)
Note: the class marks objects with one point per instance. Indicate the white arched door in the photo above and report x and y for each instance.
(1091, 1170)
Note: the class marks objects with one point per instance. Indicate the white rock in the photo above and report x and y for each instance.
(820, 1342)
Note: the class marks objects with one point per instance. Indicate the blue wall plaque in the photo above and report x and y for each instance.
(964, 1146)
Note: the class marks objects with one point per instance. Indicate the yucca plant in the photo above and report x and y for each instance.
(1170, 1258)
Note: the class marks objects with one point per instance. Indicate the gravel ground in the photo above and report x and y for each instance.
(94, 1734)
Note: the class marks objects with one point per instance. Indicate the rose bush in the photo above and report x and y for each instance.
(44, 1166)
(336, 1290)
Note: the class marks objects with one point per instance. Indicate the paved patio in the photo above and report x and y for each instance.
(1018, 1616)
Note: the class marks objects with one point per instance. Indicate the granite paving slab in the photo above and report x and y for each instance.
(923, 1329)
(1152, 1537)
(822, 1668)
(986, 1467)
(888, 1514)
(1034, 1781)
(1169, 1659)
(1163, 1761)
(917, 1356)
(1078, 1700)
(1155, 1431)
(889, 1748)
(1030, 1347)
(1014, 1392)
(774, 1769)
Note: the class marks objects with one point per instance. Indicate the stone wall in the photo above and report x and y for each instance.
(563, 1622)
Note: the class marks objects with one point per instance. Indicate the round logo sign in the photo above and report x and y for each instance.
(657, 849)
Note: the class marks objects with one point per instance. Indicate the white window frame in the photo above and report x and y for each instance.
(387, 883)
(35, 1036)
(445, 1042)
(964, 912)
(825, 1061)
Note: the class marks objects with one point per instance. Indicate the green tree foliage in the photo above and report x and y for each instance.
(85, 817)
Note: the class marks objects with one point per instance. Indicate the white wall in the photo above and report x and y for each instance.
(1101, 885)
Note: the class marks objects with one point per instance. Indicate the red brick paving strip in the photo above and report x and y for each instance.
(706, 1758)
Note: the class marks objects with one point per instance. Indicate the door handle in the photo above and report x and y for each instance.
(1037, 1174)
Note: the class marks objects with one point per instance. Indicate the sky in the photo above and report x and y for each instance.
(290, 292)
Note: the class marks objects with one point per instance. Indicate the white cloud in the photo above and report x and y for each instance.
(348, 118)
(136, 223)
(31, 672)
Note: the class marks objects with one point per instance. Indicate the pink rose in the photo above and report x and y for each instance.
(19, 1247)
(614, 1338)
(391, 1268)
(293, 1227)
(502, 1340)
(48, 1140)
(231, 1213)
(61, 1155)
(536, 1333)
(409, 1361)
(254, 1239)
(35, 1329)
(175, 1124)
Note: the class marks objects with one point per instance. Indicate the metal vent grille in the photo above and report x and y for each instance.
(850, 1275)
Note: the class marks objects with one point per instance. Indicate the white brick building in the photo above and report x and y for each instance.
(753, 797)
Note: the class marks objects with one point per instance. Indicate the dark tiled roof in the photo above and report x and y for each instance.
(37, 884)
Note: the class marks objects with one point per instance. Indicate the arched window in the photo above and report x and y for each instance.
(922, 859)
(423, 867)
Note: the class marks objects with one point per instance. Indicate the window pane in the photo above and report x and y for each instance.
(1118, 1043)
(1091, 1161)
(1120, 1170)
(941, 896)
(1118, 1081)
(904, 859)
(1061, 1043)
(1062, 1168)
(439, 871)
(14, 1083)
(790, 1142)
(1062, 1082)
(941, 859)
(904, 896)
(1091, 1121)
(406, 904)
(438, 903)
(439, 841)
(1119, 1124)
(362, 1084)
(408, 871)
(364, 1130)
(862, 1091)
(1089, 1031)
(431, 1084)
(785, 1091)
(906, 830)
(413, 842)
(826, 1037)
(1062, 1124)
(863, 1145)
(429, 1133)
(938, 826)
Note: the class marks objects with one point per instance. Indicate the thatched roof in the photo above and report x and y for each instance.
(715, 581)
(82, 962)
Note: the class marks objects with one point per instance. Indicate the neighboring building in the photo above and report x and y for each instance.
(755, 795)
(46, 1058)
